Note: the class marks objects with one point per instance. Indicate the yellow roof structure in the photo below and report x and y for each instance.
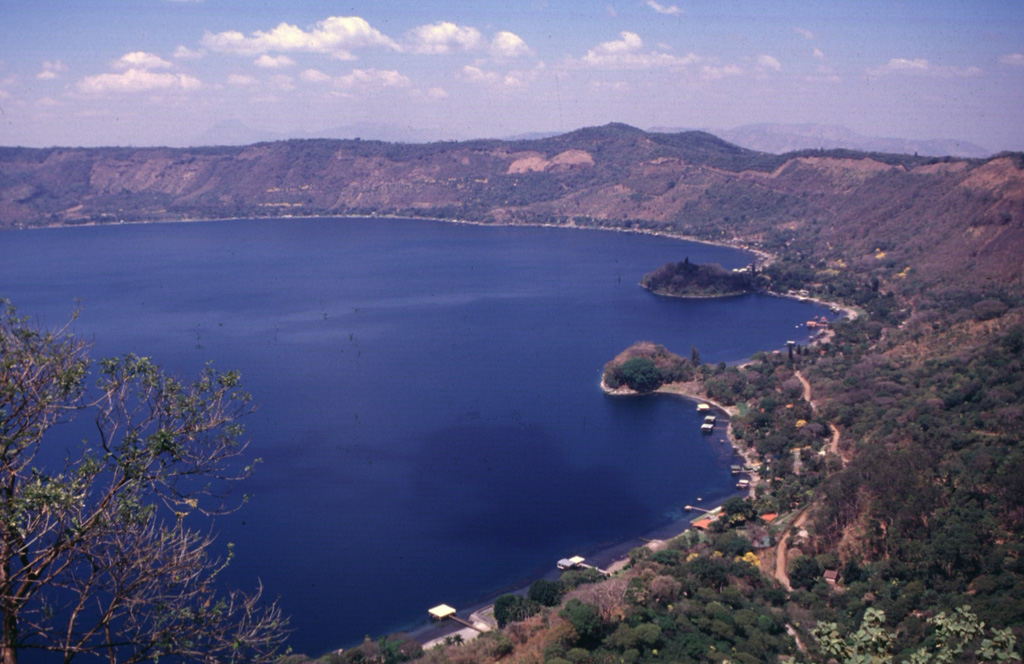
(576, 560)
(442, 611)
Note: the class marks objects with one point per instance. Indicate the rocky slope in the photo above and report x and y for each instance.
(941, 216)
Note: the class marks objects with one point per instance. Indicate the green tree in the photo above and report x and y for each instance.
(544, 592)
(584, 619)
(738, 510)
(509, 608)
(804, 572)
(640, 374)
(93, 561)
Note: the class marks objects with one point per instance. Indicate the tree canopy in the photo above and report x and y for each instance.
(96, 558)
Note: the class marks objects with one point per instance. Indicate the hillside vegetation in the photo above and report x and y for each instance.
(888, 453)
(686, 279)
(829, 205)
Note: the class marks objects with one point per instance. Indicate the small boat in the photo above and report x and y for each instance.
(707, 427)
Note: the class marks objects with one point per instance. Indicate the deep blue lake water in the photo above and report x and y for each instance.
(429, 416)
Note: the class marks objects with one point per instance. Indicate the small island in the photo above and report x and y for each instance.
(688, 279)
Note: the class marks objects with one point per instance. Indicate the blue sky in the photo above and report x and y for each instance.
(163, 72)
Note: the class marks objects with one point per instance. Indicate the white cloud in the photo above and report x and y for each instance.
(273, 62)
(314, 76)
(670, 10)
(517, 79)
(822, 71)
(626, 53)
(372, 78)
(337, 35)
(714, 73)
(443, 37)
(1014, 59)
(766, 62)
(921, 67)
(241, 80)
(51, 70)
(806, 34)
(141, 60)
(904, 65)
(508, 45)
(138, 80)
(510, 79)
(185, 53)
(629, 43)
(437, 93)
(477, 75)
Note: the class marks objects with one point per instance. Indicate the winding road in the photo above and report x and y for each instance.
(781, 549)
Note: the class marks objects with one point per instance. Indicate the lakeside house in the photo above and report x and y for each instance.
(702, 524)
(441, 611)
(575, 562)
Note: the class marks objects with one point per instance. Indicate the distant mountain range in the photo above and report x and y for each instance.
(235, 132)
(948, 217)
(782, 138)
(764, 137)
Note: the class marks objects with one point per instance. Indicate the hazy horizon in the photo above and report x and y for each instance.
(165, 72)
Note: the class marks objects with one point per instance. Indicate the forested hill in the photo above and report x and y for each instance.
(942, 216)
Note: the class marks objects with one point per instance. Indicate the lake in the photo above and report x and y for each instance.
(430, 419)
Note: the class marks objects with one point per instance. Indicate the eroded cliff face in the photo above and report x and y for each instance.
(938, 215)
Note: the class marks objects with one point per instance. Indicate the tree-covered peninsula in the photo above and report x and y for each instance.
(644, 367)
(686, 279)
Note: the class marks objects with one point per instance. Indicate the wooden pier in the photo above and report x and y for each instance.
(445, 612)
(459, 620)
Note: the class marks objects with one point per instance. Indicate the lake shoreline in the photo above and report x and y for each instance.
(761, 254)
(764, 257)
(607, 558)
(610, 558)
(602, 552)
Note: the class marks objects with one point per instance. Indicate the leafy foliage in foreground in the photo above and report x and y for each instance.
(96, 560)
